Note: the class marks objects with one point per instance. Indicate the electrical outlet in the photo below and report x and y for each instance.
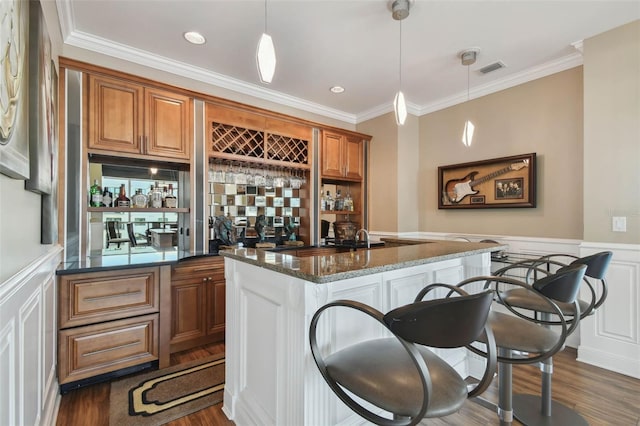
(619, 224)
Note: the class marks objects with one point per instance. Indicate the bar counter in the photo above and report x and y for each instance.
(270, 375)
(340, 266)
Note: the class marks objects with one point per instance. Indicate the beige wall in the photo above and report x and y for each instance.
(543, 116)
(383, 172)
(612, 134)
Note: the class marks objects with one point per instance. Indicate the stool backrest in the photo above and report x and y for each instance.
(564, 285)
(442, 323)
(597, 264)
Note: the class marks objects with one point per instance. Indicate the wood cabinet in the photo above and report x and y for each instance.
(108, 321)
(342, 156)
(126, 118)
(342, 168)
(197, 302)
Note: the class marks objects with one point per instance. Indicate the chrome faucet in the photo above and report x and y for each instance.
(366, 235)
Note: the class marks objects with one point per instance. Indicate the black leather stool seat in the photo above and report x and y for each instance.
(381, 372)
(522, 298)
(516, 334)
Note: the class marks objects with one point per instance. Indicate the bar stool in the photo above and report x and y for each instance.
(597, 266)
(398, 374)
(542, 410)
(520, 339)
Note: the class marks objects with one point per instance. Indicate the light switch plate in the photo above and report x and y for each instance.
(619, 224)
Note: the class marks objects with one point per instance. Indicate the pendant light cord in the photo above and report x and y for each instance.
(468, 67)
(265, 16)
(400, 59)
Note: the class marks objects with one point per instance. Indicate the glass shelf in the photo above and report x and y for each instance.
(136, 210)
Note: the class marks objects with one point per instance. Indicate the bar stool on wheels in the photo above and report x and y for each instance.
(542, 410)
(519, 338)
(399, 375)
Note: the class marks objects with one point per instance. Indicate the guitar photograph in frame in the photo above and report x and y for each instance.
(495, 183)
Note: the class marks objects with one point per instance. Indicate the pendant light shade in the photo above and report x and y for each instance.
(467, 133)
(399, 11)
(468, 57)
(400, 108)
(266, 57)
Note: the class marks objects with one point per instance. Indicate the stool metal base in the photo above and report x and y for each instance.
(526, 408)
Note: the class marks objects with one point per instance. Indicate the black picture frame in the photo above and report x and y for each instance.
(495, 183)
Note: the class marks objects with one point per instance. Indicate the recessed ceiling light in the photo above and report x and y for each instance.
(337, 89)
(194, 37)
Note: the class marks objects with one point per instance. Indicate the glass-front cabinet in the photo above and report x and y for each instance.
(136, 209)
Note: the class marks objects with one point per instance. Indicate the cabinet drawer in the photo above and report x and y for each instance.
(201, 266)
(102, 348)
(104, 296)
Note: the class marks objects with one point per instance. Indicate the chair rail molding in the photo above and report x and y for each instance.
(29, 392)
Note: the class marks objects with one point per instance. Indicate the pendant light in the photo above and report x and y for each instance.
(400, 10)
(266, 54)
(468, 57)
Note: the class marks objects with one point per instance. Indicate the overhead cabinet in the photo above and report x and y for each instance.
(129, 119)
(342, 156)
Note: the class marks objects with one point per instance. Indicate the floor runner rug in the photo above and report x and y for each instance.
(164, 395)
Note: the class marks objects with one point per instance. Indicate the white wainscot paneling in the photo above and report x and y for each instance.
(611, 337)
(29, 391)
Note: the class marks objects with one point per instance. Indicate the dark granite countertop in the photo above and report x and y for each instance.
(126, 261)
(339, 266)
(142, 260)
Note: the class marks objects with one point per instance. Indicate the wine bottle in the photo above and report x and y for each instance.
(123, 200)
(95, 195)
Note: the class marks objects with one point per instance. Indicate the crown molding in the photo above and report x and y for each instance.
(107, 47)
(552, 67)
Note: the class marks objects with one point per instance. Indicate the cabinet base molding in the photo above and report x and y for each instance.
(66, 387)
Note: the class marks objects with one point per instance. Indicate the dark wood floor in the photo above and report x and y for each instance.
(600, 396)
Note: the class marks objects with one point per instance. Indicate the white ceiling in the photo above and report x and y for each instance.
(352, 43)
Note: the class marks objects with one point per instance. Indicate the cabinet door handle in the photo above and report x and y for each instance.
(204, 280)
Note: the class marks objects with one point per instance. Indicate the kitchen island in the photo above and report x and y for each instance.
(271, 377)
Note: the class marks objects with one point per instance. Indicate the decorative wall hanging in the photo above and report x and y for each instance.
(42, 109)
(14, 89)
(495, 183)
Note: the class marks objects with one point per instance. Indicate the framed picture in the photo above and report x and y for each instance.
(14, 89)
(495, 183)
(41, 104)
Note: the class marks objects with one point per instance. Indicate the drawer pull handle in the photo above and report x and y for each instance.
(113, 348)
(110, 296)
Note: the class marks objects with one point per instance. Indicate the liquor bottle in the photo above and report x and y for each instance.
(330, 203)
(156, 197)
(107, 197)
(139, 200)
(339, 201)
(149, 195)
(348, 202)
(95, 195)
(122, 200)
(170, 200)
(164, 195)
